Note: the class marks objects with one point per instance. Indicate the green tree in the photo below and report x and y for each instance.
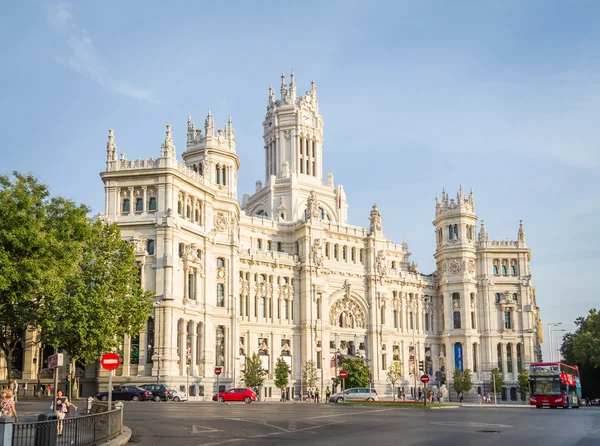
(582, 348)
(358, 372)
(38, 248)
(462, 381)
(282, 374)
(523, 383)
(101, 301)
(497, 380)
(253, 374)
(393, 375)
(309, 374)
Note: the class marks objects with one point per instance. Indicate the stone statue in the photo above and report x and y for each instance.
(375, 219)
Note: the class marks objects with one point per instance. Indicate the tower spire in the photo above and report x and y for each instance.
(522, 236)
(271, 95)
(283, 89)
(209, 125)
(292, 86)
(229, 131)
(168, 148)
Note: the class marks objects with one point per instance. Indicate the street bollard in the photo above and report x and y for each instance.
(6, 431)
(119, 406)
(90, 401)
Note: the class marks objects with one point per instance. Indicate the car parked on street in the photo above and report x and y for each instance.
(237, 394)
(179, 396)
(127, 393)
(354, 394)
(160, 392)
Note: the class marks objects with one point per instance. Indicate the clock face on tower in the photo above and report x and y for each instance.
(308, 118)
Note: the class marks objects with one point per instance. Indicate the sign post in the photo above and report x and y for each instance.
(218, 371)
(425, 380)
(343, 375)
(54, 362)
(110, 361)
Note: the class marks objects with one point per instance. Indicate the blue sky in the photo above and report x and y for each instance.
(499, 96)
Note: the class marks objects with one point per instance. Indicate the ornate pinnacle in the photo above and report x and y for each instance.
(111, 147)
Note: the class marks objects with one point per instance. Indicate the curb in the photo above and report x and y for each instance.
(121, 439)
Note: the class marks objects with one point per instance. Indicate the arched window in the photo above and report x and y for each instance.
(181, 249)
(410, 321)
(456, 232)
(217, 175)
(504, 270)
(152, 204)
(259, 244)
(220, 295)
(361, 256)
(513, 270)
(139, 204)
(382, 315)
(353, 255)
(180, 208)
(197, 216)
(220, 262)
(279, 247)
(262, 214)
(126, 205)
(509, 366)
(395, 318)
(455, 296)
(321, 214)
(191, 286)
(188, 213)
(495, 270)
(507, 321)
(456, 316)
(426, 322)
(497, 298)
(223, 176)
(474, 357)
(344, 253)
(335, 252)
(519, 363)
(473, 320)
(450, 233)
(150, 247)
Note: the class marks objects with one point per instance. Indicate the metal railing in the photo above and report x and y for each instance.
(83, 430)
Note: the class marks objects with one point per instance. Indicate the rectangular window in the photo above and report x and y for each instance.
(395, 318)
(284, 309)
(410, 320)
(384, 362)
(456, 317)
(509, 365)
(220, 346)
(241, 305)
(427, 322)
(507, 321)
(261, 307)
(220, 295)
(473, 320)
(319, 360)
(475, 358)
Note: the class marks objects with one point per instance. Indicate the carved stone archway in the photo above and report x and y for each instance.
(348, 310)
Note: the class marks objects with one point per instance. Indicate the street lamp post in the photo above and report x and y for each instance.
(550, 325)
(558, 344)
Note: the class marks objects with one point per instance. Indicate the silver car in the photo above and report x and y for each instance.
(179, 396)
(355, 394)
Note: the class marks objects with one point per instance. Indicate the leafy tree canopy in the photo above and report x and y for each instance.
(462, 381)
(100, 301)
(498, 379)
(253, 374)
(394, 375)
(310, 376)
(282, 374)
(39, 247)
(524, 381)
(358, 372)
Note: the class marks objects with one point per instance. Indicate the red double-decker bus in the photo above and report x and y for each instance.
(554, 384)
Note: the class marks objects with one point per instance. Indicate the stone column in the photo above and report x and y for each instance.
(142, 354)
(186, 282)
(126, 369)
(504, 362)
(193, 343)
(181, 333)
(131, 202)
(117, 203)
(145, 204)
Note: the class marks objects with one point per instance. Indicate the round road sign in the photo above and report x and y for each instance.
(424, 379)
(343, 374)
(218, 370)
(110, 361)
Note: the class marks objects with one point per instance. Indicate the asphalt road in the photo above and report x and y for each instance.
(194, 424)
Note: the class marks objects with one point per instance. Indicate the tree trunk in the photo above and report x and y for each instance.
(8, 352)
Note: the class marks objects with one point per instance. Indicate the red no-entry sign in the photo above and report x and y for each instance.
(424, 379)
(110, 361)
(343, 374)
(218, 370)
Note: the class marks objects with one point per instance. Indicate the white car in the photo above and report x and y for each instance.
(179, 396)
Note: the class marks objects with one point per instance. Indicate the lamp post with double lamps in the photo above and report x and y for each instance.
(558, 343)
(550, 325)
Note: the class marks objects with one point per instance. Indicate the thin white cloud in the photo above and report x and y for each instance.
(81, 55)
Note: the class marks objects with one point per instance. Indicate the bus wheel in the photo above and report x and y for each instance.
(538, 407)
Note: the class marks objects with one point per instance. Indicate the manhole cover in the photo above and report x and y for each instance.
(488, 431)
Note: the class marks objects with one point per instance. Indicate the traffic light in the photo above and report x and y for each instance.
(421, 368)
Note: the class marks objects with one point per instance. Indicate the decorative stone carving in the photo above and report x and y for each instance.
(347, 288)
(286, 291)
(312, 207)
(455, 303)
(381, 266)
(287, 134)
(470, 266)
(244, 287)
(414, 268)
(138, 246)
(375, 219)
(522, 236)
(221, 274)
(346, 313)
(264, 289)
(220, 222)
(317, 255)
(454, 266)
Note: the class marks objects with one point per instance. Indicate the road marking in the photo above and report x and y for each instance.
(467, 424)
(260, 423)
(202, 429)
(343, 414)
(233, 440)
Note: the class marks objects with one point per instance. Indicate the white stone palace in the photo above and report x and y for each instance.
(283, 274)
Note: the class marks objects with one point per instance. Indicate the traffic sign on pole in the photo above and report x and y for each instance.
(343, 374)
(218, 371)
(110, 361)
(424, 379)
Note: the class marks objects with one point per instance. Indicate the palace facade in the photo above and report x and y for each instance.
(283, 274)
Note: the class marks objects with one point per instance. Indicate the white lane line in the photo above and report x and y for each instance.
(347, 414)
(260, 423)
(233, 440)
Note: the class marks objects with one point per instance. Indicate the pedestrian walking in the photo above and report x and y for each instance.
(460, 396)
(48, 390)
(62, 408)
(15, 389)
(316, 395)
(7, 406)
(327, 393)
(25, 388)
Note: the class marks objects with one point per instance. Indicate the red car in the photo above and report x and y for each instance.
(240, 394)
